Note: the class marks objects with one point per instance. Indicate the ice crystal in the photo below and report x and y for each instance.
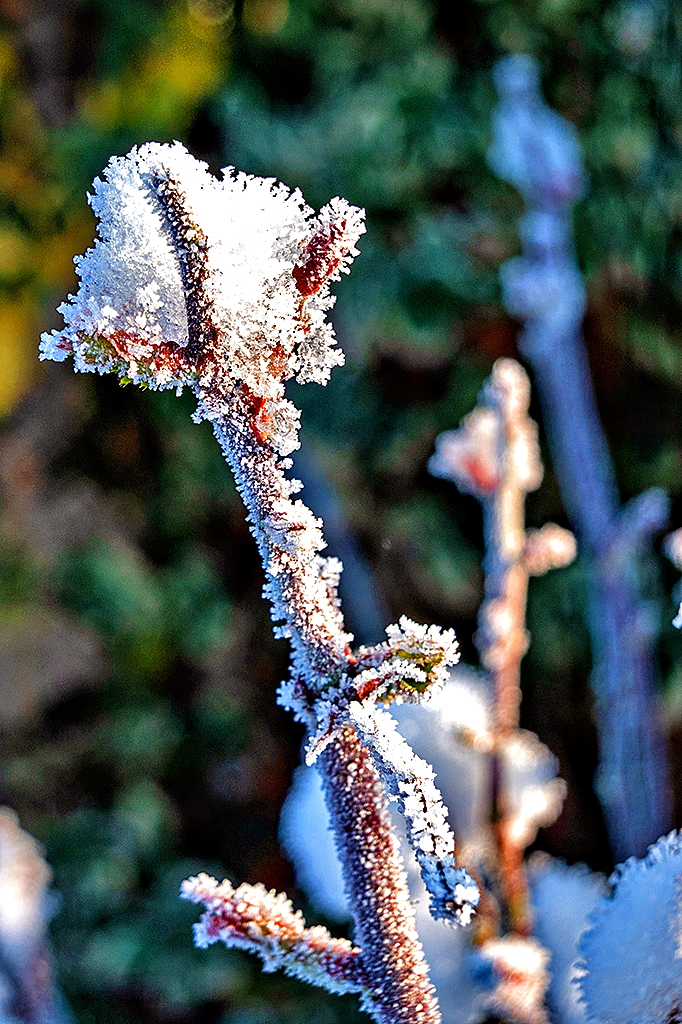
(264, 922)
(414, 659)
(446, 729)
(198, 281)
(222, 285)
(412, 663)
(454, 730)
(632, 954)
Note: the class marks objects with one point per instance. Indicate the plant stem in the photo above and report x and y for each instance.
(373, 869)
(506, 589)
(376, 885)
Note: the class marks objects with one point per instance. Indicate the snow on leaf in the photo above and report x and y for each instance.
(193, 280)
(632, 953)
(563, 898)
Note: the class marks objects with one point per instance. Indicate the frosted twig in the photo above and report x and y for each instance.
(538, 152)
(495, 456)
(223, 286)
(409, 779)
(262, 922)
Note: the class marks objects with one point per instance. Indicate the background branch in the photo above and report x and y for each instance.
(538, 152)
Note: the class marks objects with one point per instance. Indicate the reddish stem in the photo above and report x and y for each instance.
(376, 885)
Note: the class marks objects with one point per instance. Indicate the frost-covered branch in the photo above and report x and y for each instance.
(494, 455)
(409, 779)
(538, 152)
(263, 922)
(222, 285)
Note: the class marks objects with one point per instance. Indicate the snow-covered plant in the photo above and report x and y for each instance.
(222, 285)
(530, 922)
(499, 781)
(265, 923)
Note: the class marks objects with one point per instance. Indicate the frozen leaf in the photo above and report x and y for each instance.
(632, 953)
(563, 898)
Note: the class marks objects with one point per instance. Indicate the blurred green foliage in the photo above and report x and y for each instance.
(121, 532)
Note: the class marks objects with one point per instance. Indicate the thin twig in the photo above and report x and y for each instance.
(495, 456)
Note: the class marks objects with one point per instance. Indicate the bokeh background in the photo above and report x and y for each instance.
(139, 736)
